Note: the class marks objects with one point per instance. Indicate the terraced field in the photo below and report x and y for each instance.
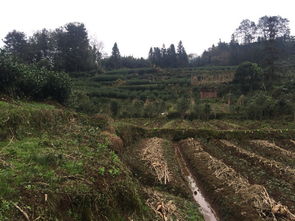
(142, 169)
(244, 174)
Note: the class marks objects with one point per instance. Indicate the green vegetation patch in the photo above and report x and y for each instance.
(67, 172)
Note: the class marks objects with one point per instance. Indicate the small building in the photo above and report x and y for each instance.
(206, 93)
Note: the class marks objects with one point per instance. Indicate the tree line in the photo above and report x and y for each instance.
(262, 42)
(69, 48)
(66, 48)
(169, 57)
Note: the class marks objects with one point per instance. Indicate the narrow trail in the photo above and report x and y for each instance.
(205, 208)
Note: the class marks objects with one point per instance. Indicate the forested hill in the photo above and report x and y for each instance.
(69, 48)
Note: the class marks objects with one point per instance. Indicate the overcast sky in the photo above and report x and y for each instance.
(136, 25)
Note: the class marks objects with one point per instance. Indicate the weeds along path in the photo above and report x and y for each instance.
(170, 207)
(280, 189)
(233, 195)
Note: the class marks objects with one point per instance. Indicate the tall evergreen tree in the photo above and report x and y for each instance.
(73, 48)
(181, 55)
(16, 44)
(151, 56)
(115, 59)
(163, 62)
(42, 47)
(171, 56)
(157, 56)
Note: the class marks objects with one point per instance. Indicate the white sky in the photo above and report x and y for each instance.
(136, 25)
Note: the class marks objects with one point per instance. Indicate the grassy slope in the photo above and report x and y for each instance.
(55, 165)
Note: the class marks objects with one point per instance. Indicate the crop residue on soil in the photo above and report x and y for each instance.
(154, 156)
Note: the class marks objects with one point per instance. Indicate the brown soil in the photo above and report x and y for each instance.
(273, 146)
(232, 192)
(277, 169)
(154, 163)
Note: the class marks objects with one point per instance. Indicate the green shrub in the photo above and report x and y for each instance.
(248, 76)
(57, 86)
(29, 81)
(9, 74)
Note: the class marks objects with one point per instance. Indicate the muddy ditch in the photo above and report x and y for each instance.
(205, 208)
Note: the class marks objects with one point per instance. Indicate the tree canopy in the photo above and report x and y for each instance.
(65, 49)
(248, 76)
(163, 57)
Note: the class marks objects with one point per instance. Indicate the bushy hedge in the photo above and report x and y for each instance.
(20, 80)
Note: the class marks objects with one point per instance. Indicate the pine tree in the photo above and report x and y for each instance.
(151, 56)
(157, 56)
(115, 59)
(16, 44)
(181, 55)
(171, 56)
